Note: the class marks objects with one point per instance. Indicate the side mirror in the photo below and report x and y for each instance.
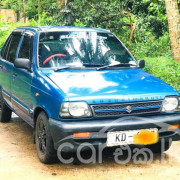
(141, 63)
(22, 63)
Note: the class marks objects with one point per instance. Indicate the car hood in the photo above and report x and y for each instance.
(109, 86)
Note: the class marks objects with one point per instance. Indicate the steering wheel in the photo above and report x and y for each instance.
(55, 55)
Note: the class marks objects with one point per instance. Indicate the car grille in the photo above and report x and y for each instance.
(105, 110)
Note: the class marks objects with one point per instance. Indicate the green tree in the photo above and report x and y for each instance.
(119, 16)
(31, 9)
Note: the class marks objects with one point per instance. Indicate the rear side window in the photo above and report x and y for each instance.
(13, 47)
(5, 47)
(26, 48)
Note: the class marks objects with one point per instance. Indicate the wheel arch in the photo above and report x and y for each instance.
(37, 110)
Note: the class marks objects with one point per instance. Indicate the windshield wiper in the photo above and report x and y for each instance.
(67, 67)
(109, 66)
(92, 65)
(61, 68)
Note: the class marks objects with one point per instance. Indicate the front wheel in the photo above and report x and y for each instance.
(160, 147)
(44, 142)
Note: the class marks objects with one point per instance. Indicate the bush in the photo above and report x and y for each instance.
(164, 68)
(152, 47)
(6, 28)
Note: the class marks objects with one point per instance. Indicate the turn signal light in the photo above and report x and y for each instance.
(37, 94)
(81, 135)
(172, 127)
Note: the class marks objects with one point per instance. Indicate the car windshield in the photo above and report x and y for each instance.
(81, 49)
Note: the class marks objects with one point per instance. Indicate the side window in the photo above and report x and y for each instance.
(26, 48)
(5, 47)
(13, 47)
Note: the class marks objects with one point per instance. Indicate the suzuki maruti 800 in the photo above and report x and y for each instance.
(80, 85)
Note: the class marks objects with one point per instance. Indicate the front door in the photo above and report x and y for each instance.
(21, 81)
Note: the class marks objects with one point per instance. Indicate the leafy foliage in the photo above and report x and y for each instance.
(152, 47)
(6, 28)
(148, 17)
(115, 15)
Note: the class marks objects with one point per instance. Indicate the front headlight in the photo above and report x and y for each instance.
(75, 109)
(178, 108)
(170, 104)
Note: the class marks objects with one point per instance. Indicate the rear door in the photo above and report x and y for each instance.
(21, 81)
(8, 55)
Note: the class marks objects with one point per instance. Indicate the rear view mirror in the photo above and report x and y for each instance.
(141, 63)
(22, 63)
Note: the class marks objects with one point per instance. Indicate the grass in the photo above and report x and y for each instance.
(164, 68)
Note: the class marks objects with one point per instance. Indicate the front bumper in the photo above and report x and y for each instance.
(62, 131)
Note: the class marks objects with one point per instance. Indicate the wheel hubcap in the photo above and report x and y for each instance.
(42, 136)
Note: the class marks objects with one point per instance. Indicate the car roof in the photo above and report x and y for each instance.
(58, 28)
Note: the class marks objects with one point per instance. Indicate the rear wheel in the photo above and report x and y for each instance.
(44, 142)
(160, 147)
(5, 111)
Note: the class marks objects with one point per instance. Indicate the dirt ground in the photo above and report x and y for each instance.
(18, 160)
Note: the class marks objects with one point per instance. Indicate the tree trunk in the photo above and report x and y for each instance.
(17, 16)
(133, 27)
(24, 11)
(39, 11)
(62, 2)
(174, 27)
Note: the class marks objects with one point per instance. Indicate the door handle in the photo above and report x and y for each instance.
(14, 74)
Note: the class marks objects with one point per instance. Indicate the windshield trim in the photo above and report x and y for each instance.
(89, 68)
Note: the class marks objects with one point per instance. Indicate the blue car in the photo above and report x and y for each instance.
(81, 85)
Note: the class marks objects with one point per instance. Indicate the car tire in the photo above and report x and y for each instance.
(44, 142)
(5, 111)
(160, 147)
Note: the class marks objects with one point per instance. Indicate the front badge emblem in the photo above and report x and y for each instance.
(129, 109)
